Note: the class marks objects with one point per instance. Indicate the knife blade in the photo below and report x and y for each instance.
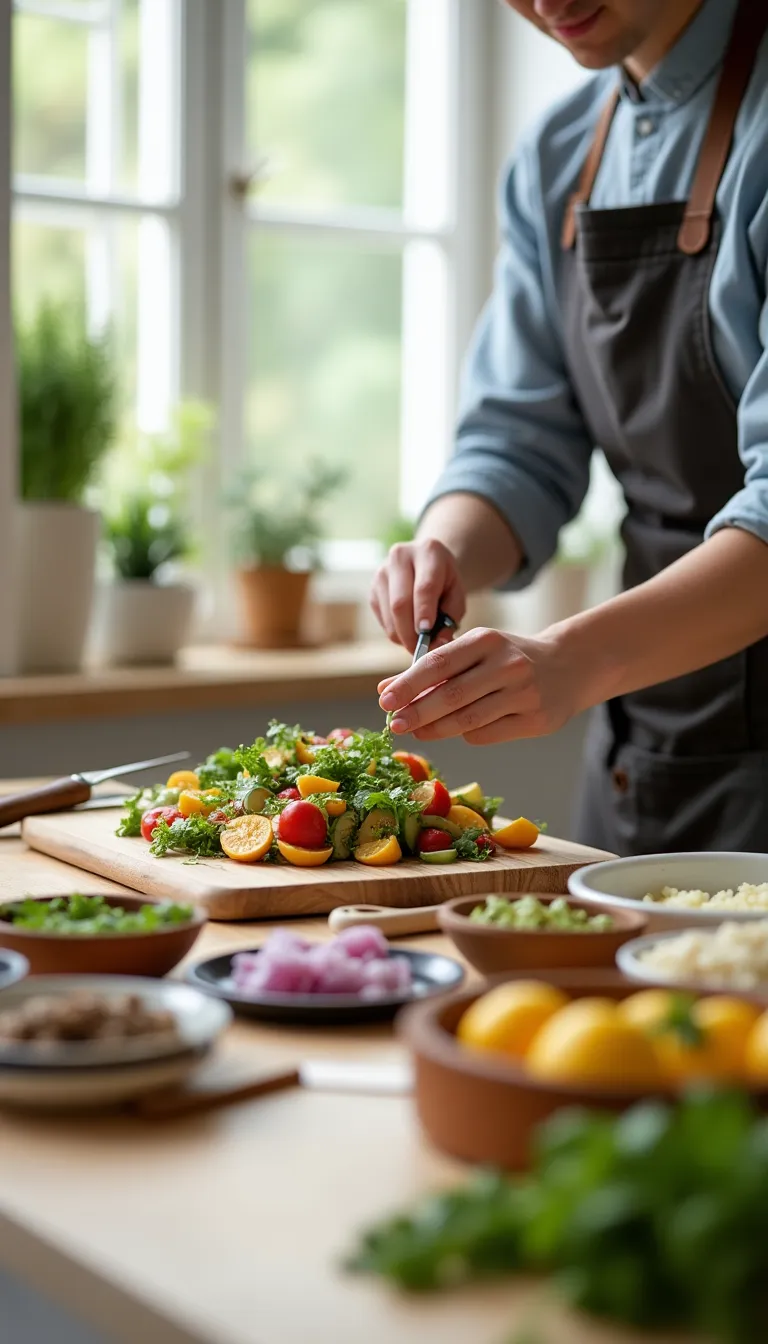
(427, 637)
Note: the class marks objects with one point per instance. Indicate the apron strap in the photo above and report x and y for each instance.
(589, 172)
(749, 27)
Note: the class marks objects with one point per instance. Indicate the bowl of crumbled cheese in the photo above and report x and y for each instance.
(679, 890)
(733, 956)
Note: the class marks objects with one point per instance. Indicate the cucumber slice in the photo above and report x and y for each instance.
(411, 830)
(254, 800)
(343, 833)
(439, 856)
(440, 824)
(379, 822)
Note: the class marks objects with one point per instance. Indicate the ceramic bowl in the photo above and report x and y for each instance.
(493, 950)
(484, 1109)
(620, 883)
(13, 967)
(629, 960)
(144, 954)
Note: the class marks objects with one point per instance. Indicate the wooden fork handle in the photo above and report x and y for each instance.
(393, 922)
(54, 797)
(174, 1104)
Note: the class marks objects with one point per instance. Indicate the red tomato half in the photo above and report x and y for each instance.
(433, 798)
(418, 767)
(486, 843)
(340, 735)
(431, 840)
(155, 814)
(302, 824)
(289, 793)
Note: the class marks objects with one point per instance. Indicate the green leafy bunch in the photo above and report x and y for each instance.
(656, 1219)
(67, 390)
(147, 525)
(273, 517)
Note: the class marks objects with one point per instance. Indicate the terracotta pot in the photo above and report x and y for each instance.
(272, 600)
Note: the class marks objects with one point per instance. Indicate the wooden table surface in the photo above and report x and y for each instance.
(229, 1228)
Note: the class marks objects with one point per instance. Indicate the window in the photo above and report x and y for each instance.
(96, 118)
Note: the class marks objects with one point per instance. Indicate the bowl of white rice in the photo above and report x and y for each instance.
(731, 957)
(679, 890)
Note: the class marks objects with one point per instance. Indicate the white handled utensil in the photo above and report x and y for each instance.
(393, 923)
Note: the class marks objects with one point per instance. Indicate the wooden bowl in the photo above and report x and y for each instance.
(492, 950)
(146, 954)
(484, 1109)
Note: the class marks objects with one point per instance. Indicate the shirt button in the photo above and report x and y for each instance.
(645, 126)
(620, 780)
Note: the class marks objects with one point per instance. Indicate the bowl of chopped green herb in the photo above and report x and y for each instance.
(533, 931)
(99, 934)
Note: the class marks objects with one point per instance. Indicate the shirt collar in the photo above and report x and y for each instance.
(691, 61)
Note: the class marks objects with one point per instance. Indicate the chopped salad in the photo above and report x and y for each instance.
(295, 797)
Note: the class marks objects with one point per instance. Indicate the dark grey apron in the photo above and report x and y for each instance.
(682, 765)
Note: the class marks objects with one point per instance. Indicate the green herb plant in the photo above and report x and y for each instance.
(149, 479)
(278, 521)
(67, 391)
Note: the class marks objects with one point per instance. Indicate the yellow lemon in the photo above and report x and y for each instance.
(507, 1018)
(304, 858)
(589, 1042)
(247, 839)
(520, 834)
(704, 1038)
(378, 853)
(756, 1052)
(183, 779)
(309, 784)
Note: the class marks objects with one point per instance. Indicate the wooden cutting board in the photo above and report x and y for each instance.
(228, 890)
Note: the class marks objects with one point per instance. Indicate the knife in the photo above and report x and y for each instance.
(65, 793)
(316, 1075)
(428, 637)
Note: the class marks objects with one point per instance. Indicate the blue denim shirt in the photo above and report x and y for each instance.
(521, 442)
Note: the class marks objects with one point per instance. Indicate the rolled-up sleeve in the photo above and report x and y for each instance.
(521, 442)
(748, 508)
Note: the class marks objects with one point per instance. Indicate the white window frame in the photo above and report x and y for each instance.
(207, 221)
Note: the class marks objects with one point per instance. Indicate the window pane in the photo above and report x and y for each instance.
(107, 267)
(324, 370)
(96, 103)
(326, 95)
(50, 72)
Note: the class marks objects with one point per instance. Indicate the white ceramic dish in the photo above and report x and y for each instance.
(630, 963)
(200, 1019)
(91, 1089)
(13, 967)
(623, 883)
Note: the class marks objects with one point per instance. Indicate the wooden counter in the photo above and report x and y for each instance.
(229, 1228)
(204, 678)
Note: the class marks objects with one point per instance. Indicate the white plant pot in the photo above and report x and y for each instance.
(139, 621)
(57, 565)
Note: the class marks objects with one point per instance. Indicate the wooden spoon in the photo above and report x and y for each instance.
(393, 923)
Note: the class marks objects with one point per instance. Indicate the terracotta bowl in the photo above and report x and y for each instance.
(491, 950)
(484, 1109)
(152, 954)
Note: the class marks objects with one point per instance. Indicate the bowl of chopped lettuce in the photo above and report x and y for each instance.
(99, 934)
(536, 931)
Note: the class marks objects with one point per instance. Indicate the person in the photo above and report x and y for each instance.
(628, 313)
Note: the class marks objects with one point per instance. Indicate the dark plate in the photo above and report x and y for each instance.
(432, 974)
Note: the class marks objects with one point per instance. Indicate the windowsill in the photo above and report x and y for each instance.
(207, 677)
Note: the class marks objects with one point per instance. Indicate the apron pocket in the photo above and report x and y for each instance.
(697, 802)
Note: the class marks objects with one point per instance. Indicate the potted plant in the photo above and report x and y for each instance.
(276, 531)
(146, 611)
(67, 418)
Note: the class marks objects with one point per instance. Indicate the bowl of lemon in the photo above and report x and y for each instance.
(491, 1065)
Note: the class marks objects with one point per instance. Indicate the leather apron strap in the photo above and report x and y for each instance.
(749, 28)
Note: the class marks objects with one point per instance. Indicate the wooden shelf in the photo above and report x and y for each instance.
(204, 678)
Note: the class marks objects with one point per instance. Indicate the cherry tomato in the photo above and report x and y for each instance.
(289, 793)
(418, 767)
(302, 824)
(431, 840)
(340, 735)
(156, 814)
(486, 844)
(235, 809)
(433, 798)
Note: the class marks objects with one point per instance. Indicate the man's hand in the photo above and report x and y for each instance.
(487, 687)
(415, 579)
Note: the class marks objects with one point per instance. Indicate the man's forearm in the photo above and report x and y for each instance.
(705, 607)
(486, 550)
